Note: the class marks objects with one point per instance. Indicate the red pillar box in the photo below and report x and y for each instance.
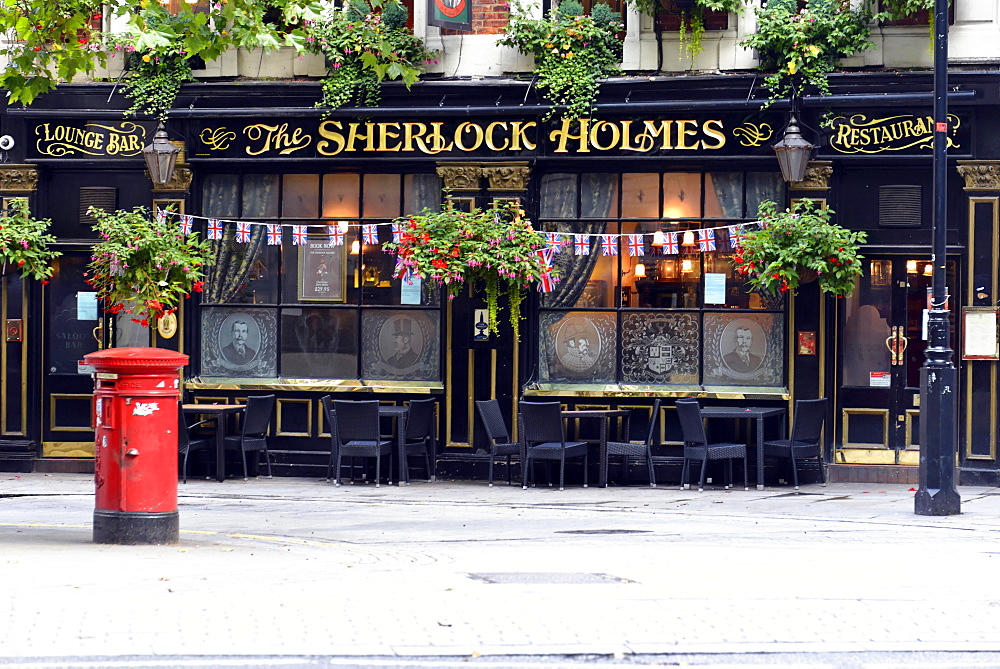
(135, 444)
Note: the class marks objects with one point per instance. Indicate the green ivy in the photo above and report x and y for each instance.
(572, 53)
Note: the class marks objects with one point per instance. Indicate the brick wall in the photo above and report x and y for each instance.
(489, 17)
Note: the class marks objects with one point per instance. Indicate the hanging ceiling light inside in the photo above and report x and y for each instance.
(355, 247)
(640, 271)
(659, 239)
(688, 239)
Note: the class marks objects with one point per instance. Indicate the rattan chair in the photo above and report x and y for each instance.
(541, 428)
(697, 447)
(807, 430)
(354, 431)
(184, 442)
(500, 443)
(630, 449)
(253, 436)
(420, 437)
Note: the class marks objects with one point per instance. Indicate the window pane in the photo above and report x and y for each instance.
(242, 272)
(866, 314)
(599, 195)
(762, 186)
(401, 345)
(660, 347)
(724, 195)
(640, 195)
(559, 196)
(664, 281)
(341, 195)
(738, 293)
(319, 343)
(421, 191)
(379, 286)
(220, 195)
(681, 195)
(577, 347)
(381, 196)
(260, 196)
(300, 198)
(584, 280)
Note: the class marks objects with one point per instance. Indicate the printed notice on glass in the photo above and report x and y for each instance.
(409, 290)
(980, 334)
(86, 306)
(879, 380)
(715, 288)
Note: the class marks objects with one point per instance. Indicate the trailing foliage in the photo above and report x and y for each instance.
(142, 265)
(692, 27)
(497, 246)
(572, 51)
(50, 41)
(24, 241)
(796, 242)
(801, 47)
(363, 48)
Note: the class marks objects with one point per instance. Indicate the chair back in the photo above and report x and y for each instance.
(492, 417)
(692, 426)
(183, 436)
(542, 422)
(653, 422)
(356, 420)
(420, 419)
(807, 425)
(257, 415)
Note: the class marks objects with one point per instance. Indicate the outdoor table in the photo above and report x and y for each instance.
(605, 415)
(398, 414)
(221, 412)
(759, 414)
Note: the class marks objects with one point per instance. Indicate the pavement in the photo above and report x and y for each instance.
(446, 573)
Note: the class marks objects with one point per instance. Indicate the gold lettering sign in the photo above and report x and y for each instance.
(121, 140)
(860, 134)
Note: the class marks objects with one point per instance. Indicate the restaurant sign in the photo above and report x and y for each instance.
(862, 133)
(328, 138)
(124, 139)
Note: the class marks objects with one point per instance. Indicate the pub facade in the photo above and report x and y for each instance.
(647, 200)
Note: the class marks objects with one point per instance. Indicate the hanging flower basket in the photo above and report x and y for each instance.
(24, 242)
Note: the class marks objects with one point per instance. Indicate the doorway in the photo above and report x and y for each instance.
(882, 337)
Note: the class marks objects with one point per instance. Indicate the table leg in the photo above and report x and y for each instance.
(602, 455)
(220, 448)
(404, 471)
(760, 453)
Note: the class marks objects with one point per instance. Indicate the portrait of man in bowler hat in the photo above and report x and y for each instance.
(404, 355)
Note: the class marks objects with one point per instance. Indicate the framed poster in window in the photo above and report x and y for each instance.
(322, 271)
(979, 333)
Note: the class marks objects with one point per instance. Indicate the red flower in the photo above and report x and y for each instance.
(197, 286)
(439, 263)
(45, 282)
(20, 263)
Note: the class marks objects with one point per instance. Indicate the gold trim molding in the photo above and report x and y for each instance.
(508, 176)
(18, 178)
(818, 174)
(980, 174)
(503, 177)
(460, 176)
(180, 182)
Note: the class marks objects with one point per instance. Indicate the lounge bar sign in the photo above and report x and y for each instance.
(124, 139)
(862, 133)
(305, 139)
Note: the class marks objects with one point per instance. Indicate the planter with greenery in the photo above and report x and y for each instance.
(572, 51)
(142, 265)
(24, 242)
(496, 246)
(801, 47)
(798, 245)
(363, 48)
(692, 19)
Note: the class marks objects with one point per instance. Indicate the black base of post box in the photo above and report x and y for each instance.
(132, 528)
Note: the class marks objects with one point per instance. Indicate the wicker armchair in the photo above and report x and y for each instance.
(420, 437)
(500, 443)
(807, 430)
(629, 449)
(541, 428)
(354, 432)
(253, 436)
(696, 446)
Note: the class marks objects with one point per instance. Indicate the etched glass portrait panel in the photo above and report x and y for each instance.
(401, 345)
(660, 348)
(577, 347)
(744, 349)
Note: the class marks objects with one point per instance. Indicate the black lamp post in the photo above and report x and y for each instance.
(793, 152)
(161, 157)
(937, 495)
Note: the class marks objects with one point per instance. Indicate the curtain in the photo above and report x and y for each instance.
(233, 261)
(728, 188)
(559, 200)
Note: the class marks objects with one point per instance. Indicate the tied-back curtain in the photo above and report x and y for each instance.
(234, 260)
(597, 191)
(728, 188)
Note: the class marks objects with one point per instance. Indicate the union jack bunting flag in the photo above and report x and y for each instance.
(736, 236)
(581, 245)
(334, 235)
(397, 233)
(300, 235)
(161, 216)
(187, 223)
(636, 245)
(554, 238)
(545, 283)
(369, 234)
(214, 228)
(706, 240)
(242, 232)
(609, 245)
(273, 234)
(670, 246)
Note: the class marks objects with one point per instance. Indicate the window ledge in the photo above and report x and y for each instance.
(316, 385)
(616, 390)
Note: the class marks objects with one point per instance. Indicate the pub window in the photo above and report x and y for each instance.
(318, 309)
(673, 314)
